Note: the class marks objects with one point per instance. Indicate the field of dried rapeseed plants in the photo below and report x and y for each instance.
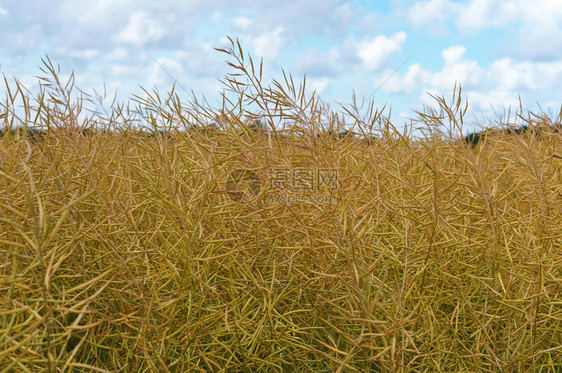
(169, 237)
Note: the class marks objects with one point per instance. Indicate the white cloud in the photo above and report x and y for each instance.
(121, 70)
(540, 34)
(453, 55)
(266, 44)
(117, 54)
(329, 18)
(496, 100)
(376, 52)
(414, 77)
(482, 14)
(526, 75)
(471, 16)
(87, 53)
(242, 22)
(315, 62)
(200, 59)
(428, 12)
(510, 76)
(158, 72)
(455, 69)
(141, 29)
(319, 85)
(4, 12)
(500, 85)
(535, 16)
(535, 26)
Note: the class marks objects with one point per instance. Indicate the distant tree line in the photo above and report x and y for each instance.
(259, 127)
(476, 138)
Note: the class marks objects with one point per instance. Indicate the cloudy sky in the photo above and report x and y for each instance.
(499, 50)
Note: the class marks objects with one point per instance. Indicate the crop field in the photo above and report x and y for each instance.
(266, 236)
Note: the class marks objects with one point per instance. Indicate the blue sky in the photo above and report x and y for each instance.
(499, 50)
